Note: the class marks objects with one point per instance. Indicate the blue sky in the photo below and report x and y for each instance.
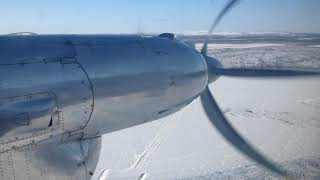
(154, 16)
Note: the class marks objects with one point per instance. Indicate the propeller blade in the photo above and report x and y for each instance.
(248, 72)
(216, 21)
(218, 120)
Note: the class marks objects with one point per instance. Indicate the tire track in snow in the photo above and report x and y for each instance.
(160, 138)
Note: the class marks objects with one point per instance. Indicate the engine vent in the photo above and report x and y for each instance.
(167, 35)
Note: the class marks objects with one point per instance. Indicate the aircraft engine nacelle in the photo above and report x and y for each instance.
(90, 85)
(138, 79)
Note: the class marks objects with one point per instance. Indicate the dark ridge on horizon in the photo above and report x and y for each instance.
(301, 38)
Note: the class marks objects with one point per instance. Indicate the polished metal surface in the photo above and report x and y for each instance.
(51, 160)
(59, 91)
(21, 115)
(138, 79)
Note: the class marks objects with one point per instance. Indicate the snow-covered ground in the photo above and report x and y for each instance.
(268, 55)
(279, 116)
